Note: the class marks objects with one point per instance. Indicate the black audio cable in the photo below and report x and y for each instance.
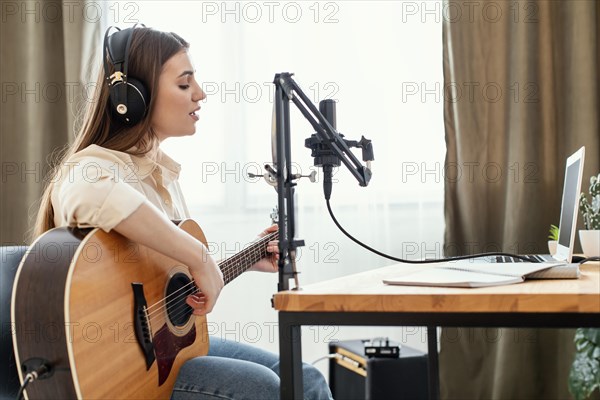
(42, 371)
(478, 255)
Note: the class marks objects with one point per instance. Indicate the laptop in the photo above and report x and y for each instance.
(568, 215)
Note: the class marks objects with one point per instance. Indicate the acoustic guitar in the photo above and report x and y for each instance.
(109, 315)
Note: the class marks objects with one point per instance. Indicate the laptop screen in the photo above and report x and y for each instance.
(570, 196)
(570, 206)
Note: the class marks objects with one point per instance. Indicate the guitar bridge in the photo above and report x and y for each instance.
(141, 324)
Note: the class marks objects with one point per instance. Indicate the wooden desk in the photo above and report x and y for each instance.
(362, 299)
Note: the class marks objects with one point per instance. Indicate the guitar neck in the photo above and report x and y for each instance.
(239, 263)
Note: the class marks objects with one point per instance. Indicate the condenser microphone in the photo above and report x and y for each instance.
(327, 108)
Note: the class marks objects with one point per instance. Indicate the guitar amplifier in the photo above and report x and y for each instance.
(354, 376)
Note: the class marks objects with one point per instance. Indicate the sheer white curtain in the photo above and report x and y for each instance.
(382, 62)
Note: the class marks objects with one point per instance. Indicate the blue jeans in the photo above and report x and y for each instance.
(237, 371)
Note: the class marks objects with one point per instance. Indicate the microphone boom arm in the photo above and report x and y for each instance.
(326, 132)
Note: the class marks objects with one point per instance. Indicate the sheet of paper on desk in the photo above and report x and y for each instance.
(447, 277)
(521, 269)
(470, 274)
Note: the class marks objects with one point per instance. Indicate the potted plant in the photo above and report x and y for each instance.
(584, 377)
(553, 236)
(590, 237)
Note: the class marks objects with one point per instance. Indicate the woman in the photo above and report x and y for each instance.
(114, 176)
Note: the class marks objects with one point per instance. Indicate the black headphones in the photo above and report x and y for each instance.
(129, 98)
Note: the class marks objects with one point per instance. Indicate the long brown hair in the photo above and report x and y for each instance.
(149, 51)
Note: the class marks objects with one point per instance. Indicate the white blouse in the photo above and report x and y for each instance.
(98, 187)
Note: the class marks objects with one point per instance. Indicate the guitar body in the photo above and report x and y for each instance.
(109, 315)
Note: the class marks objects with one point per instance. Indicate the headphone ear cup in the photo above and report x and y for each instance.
(133, 111)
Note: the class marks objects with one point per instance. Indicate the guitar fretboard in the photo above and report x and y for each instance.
(239, 263)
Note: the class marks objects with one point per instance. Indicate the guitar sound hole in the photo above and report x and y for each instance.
(177, 291)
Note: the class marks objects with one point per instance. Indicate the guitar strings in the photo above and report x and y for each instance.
(182, 308)
(178, 297)
(228, 269)
(191, 289)
(224, 269)
(175, 293)
(228, 272)
(187, 290)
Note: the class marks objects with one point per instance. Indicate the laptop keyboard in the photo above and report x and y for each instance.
(532, 258)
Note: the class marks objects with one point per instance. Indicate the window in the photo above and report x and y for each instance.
(382, 62)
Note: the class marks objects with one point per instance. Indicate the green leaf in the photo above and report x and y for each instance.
(592, 334)
(553, 232)
(584, 376)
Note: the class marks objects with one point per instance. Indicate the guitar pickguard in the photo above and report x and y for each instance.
(167, 346)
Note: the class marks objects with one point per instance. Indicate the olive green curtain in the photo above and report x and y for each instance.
(522, 94)
(46, 50)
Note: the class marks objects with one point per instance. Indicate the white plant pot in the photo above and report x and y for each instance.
(590, 242)
(552, 246)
